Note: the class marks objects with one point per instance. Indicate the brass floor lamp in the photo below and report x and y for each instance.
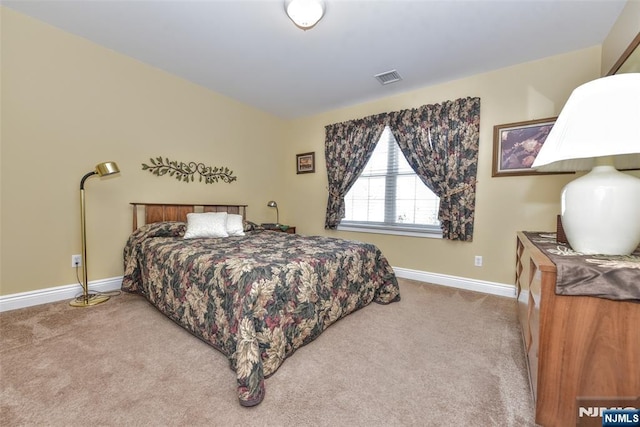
(87, 298)
(273, 204)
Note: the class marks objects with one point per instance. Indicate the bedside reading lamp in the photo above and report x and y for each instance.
(273, 204)
(599, 130)
(88, 299)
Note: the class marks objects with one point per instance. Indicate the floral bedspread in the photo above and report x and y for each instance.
(256, 298)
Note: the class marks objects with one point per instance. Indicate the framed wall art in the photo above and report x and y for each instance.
(306, 162)
(516, 145)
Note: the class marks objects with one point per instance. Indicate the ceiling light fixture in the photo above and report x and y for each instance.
(304, 13)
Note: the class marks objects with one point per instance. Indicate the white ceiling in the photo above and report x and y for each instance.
(250, 51)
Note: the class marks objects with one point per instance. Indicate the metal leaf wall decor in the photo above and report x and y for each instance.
(186, 171)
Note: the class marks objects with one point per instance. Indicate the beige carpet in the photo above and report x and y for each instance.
(439, 357)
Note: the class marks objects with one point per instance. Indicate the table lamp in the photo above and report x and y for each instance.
(599, 130)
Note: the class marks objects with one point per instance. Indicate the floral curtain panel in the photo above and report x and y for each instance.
(348, 147)
(440, 143)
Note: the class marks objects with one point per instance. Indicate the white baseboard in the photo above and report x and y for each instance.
(69, 292)
(44, 296)
(457, 282)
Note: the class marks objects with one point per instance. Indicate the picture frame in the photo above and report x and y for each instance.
(306, 162)
(516, 146)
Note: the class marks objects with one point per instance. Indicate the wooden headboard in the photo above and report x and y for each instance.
(157, 212)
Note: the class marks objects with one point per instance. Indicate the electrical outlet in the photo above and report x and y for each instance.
(478, 261)
(76, 261)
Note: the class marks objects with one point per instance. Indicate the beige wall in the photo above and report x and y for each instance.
(71, 104)
(504, 205)
(68, 104)
(622, 33)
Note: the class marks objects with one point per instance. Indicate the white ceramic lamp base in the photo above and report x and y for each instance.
(601, 212)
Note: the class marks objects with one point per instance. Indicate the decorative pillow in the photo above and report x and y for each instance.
(250, 226)
(234, 225)
(208, 224)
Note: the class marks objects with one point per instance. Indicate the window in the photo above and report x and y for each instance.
(389, 197)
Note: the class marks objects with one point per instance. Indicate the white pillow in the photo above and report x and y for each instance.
(235, 225)
(208, 224)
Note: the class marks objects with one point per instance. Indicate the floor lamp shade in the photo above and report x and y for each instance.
(107, 168)
(87, 298)
(598, 130)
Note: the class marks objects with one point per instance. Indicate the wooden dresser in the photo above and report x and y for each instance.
(576, 346)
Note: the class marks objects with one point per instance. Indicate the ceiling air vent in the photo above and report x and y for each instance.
(388, 77)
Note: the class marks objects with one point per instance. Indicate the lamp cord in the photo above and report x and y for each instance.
(107, 294)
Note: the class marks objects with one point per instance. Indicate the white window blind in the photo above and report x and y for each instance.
(389, 197)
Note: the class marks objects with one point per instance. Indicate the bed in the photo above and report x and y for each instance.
(255, 295)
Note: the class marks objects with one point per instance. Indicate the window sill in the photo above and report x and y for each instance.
(431, 234)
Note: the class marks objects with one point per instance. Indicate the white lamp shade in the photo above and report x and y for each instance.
(304, 13)
(599, 129)
(601, 118)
